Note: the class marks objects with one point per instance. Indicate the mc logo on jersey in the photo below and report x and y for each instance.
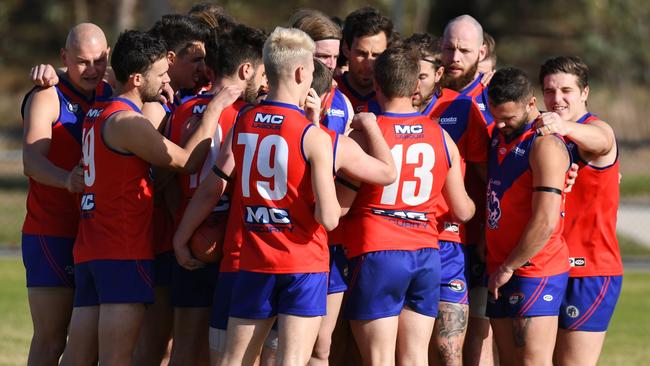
(87, 204)
(267, 120)
(94, 113)
(263, 215)
(199, 109)
(408, 129)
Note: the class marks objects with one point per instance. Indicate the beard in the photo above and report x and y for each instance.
(512, 133)
(458, 83)
(149, 95)
(251, 91)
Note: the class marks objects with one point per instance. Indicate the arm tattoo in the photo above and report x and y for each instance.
(520, 330)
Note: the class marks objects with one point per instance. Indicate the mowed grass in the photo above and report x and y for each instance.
(12, 216)
(626, 343)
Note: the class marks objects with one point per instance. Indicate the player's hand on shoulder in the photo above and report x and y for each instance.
(549, 123)
(362, 121)
(226, 96)
(43, 75)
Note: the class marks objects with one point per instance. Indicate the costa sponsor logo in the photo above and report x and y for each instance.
(457, 285)
(519, 151)
(577, 262)
(572, 311)
(516, 298)
(334, 112)
(481, 106)
(448, 120)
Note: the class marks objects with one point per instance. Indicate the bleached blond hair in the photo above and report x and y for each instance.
(284, 50)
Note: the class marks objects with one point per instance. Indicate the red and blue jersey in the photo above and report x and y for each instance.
(401, 216)
(280, 232)
(509, 208)
(460, 117)
(478, 92)
(335, 113)
(54, 211)
(591, 212)
(359, 102)
(117, 202)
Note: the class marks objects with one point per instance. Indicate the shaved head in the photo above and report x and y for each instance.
(466, 25)
(84, 34)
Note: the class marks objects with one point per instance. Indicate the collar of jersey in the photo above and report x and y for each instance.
(401, 115)
(473, 84)
(282, 105)
(127, 102)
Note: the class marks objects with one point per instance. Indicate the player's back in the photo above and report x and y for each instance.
(51, 210)
(591, 212)
(401, 216)
(281, 234)
(117, 202)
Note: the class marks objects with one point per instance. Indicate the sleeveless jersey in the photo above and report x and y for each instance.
(335, 112)
(461, 118)
(401, 215)
(509, 208)
(591, 212)
(54, 211)
(478, 92)
(117, 202)
(280, 234)
(359, 102)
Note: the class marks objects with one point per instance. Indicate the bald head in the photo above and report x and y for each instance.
(465, 26)
(83, 35)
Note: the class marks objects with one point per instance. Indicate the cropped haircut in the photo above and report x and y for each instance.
(428, 47)
(396, 72)
(179, 32)
(322, 81)
(135, 52)
(285, 49)
(509, 85)
(364, 22)
(490, 47)
(316, 24)
(478, 28)
(243, 44)
(566, 64)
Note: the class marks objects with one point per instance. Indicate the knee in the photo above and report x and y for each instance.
(50, 345)
(322, 349)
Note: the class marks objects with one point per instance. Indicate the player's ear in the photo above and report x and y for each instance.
(137, 78)
(532, 103)
(171, 57)
(482, 52)
(438, 74)
(245, 71)
(584, 94)
(298, 74)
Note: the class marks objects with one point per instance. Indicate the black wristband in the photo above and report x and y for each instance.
(347, 184)
(221, 174)
(547, 189)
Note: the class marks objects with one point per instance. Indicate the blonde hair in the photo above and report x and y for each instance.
(284, 50)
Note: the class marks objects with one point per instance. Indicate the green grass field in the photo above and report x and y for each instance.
(626, 344)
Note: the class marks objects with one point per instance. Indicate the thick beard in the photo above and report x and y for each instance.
(251, 91)
(150, 97)
(457, 84)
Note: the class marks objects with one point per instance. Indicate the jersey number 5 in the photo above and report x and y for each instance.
(272, 162)
(414, 154)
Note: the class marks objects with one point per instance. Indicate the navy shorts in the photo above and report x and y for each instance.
(589, 303)
(113, 282)
(222, 298)
(476, 268)
(264, 295)
(48, 261)
(338, 270)
(383, 283)
(162, 267)
(453, 280)
(528, 296)
(193, 289)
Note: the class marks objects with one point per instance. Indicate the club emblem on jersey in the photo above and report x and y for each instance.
(457, 285)
(577, 262)
(73, 108)
(516, 298)
(548, 297)
(494, 210)
(572, 311)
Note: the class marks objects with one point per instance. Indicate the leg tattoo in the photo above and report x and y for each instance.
(450, 332)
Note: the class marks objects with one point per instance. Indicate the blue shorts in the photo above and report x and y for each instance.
(222, 298)
(113, 282)
(48, 261)
(453, 282)
(528, 296)
(338, 270)
(476, 268)
(264, 295)
(162, 268)
(589, 303)
(383, 283)
(193, 289)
